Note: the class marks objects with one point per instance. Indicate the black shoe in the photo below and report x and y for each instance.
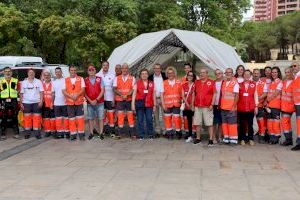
(95, 132)
(197, 141)
(296, 148)
(47, 134)
(210, 143)
(68, 136)
(91, 136)
(27, 137)
(150, 137)
(82, 137)
(73, 137)
(101, 136)
(287, 143)
(157, 135)
(38, 137)
(179, 135)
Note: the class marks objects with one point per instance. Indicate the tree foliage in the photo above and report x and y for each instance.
(86, 31)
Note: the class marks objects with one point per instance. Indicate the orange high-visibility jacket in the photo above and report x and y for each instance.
(287, 103)
(48, 101)
(124, 87)
(172, 94)
(228, 95)
(260, 90)
(74, 89)
(275, 103)
(296, 90)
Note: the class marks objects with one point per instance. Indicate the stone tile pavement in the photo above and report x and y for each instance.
(149, 170)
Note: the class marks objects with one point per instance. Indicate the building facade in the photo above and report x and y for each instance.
(268, 10)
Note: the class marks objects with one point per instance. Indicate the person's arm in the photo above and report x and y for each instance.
(41, 99)
(256, 98)
(133, 99)
(102, 90)
(183, 96)
(67, 94)
(193, 101)
(213, 99)
(162, 100)
(154, 100)
(236, 96)
(236, 99)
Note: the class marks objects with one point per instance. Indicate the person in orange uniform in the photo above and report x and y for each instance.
(247, 107)
(287, 107)
(228, 105)
(274, 105)
(262, 90)
(296, 98)
(171, 98)
(123, 88)
(203, 100)
(74, 94)
(31, 97)
(47, 110)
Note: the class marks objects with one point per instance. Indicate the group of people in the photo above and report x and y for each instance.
(227, 106)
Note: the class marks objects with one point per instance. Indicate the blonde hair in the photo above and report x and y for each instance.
(172, 69)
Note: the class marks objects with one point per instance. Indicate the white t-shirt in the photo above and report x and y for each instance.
(240, 79)
(108, 80)
(57, 87)
(172, 82)
(158, 84)
(73, 80)
(124, 79)
(31, 91)
(218, 85)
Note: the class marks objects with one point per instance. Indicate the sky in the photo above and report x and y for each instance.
(250, 12)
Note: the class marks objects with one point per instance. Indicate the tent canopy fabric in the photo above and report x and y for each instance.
(147, 49)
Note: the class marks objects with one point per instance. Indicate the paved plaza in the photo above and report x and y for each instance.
(148, 170)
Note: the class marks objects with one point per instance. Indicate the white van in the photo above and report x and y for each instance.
(15, 61)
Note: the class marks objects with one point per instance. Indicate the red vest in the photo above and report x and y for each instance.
(141, 95)
(187, 91)
(48, 95)
(93, 90)
(204, 93)
(246, 101)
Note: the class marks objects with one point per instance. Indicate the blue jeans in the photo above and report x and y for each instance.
(143, 112)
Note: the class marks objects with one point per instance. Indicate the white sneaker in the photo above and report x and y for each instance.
(190, 139)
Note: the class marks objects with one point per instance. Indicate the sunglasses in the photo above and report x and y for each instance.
(294, 66)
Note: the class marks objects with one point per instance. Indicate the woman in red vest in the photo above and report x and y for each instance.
(246, 107)
(188, 89)
(144, 102)
(274, 105)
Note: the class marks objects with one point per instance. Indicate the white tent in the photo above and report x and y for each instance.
(150, 48)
